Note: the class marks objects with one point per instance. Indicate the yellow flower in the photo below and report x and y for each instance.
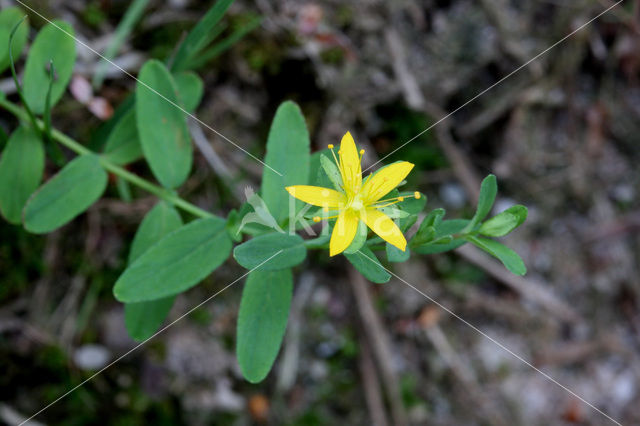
(357, 200)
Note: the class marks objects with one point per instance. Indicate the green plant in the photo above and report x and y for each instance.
(173, 251)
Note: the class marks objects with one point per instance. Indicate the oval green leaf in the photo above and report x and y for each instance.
(288, 155)
(21, 168)
(509, 258)
(190, 89)
(368, 265)
(63, 197)
(123, 145)
(142, 319)
(160, 221)
(176, 263)
(262, 321)
(162, 125)
(54, 43)
(504, 222)
(394, 254)
(488, 191)
(9, 17)
(260, 252)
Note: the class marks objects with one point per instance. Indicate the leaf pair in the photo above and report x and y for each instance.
(266, 298)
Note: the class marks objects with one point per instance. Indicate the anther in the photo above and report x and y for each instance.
(330, 146)
(401, 199)
(361, 151)
(317, 219)
(417, 195)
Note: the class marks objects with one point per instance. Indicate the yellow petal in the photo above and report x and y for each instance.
(350, 167)
(344, 231)
(318, 196)
(384, 180)
(382, 225)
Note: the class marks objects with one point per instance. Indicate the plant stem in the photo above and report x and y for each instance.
(65, 140)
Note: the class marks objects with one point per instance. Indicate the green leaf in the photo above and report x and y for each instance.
(125, 27)
(200, 36)
(124, 189)
(317, 175)
(63, 197)
(509, 258)
(427, 229)
(270, 252)
(287, 154)
(176, 263)
(442, 239)
(223, 44)
(54, 43)
(359, 239)
(142, 319)
(368, 265)
(123, 145)
(160, 221)
(488, 191)
(162, 126)
(394, 254)
(262, 321)
(9, 17)
(21, 168)
(332, 172)
(505, 222)
(190, 89)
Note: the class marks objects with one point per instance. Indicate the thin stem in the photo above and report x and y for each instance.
(65, 140)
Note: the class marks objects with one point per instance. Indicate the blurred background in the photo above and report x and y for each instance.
(562, 135)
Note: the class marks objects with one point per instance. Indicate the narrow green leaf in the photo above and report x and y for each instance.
(200, 36)
(190, 89)
(54, 43)
(124, 189)
(488, 191)
(317, 175)
(368, 265)
(224, 44)
(63, 197)
(21, 168)
(394, 254)
(443, 238)
(331, 170)
(125, 27)
(142, 319)
(262, 321)
(123, 145)
(162, 127)
(427, 229)
(287, 154)
(260, 252)
(176, 263)
(509, 258)
(9, 17)
(504, 222)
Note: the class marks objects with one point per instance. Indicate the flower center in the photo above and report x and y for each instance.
(356, 203)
